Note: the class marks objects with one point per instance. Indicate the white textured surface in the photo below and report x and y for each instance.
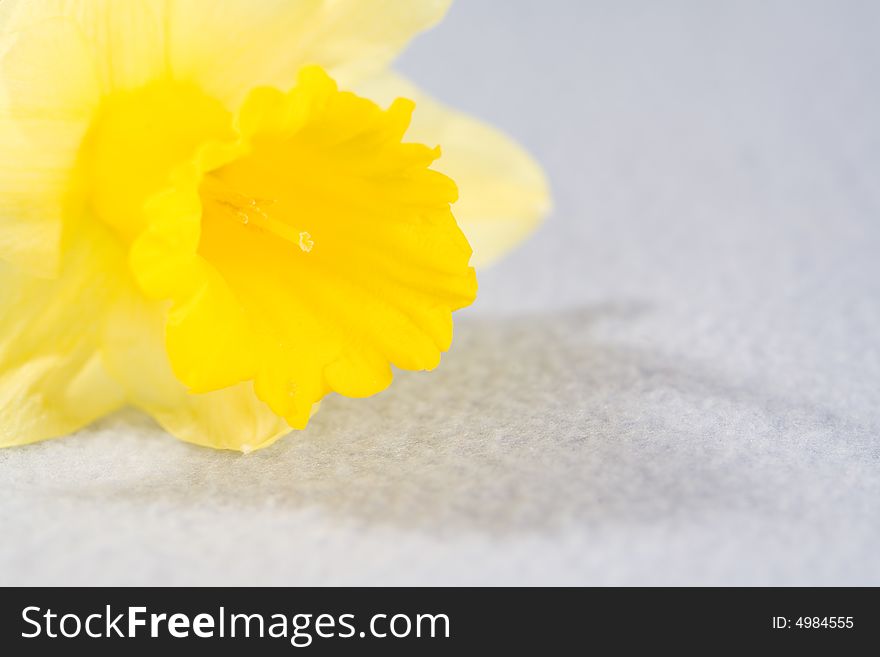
(677, 381)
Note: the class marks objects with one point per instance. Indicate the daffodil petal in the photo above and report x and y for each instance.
(53, 378)
(231, 418)
(41, 128)
(165, 262)
(230, 46)
(503, 193)
(127, 39)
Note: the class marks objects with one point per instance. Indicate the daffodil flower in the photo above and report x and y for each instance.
(198, 218)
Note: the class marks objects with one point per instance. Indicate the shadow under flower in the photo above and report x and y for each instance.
(529, 424)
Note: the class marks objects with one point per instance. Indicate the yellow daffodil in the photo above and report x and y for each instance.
(196, 220)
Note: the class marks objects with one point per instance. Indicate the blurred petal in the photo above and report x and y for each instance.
(126, 38)
(47, 97)
(52, 375)
(503, 193)
(230, 46)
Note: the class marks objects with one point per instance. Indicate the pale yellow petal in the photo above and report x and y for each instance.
(53, 378)
(48, 92)
(503, 193)
(230, 46)
(231, 418)
(126, 37)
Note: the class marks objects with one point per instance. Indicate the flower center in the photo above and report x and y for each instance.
(222, 201)
(308, 254)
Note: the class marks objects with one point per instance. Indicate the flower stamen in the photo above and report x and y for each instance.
(220, 199)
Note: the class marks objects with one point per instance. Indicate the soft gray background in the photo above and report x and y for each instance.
(676, 382)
